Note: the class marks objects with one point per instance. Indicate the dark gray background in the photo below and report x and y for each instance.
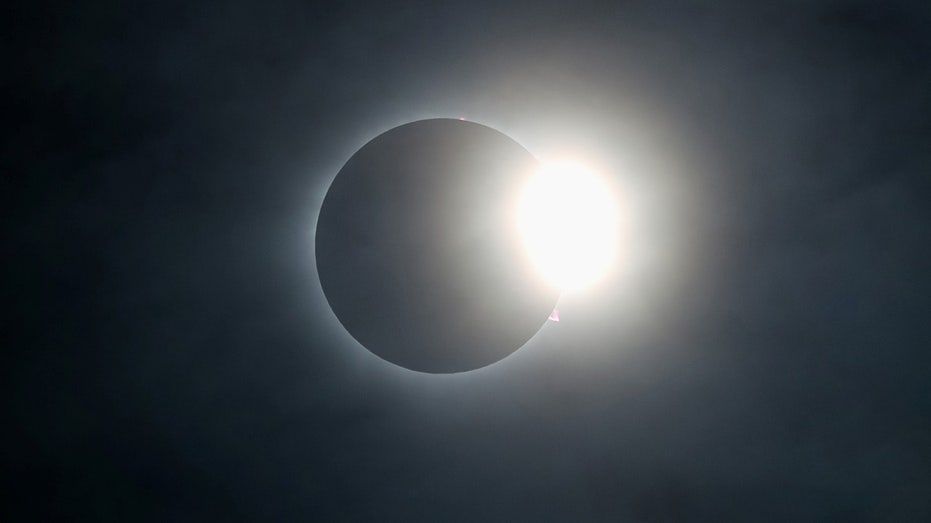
(762, 355)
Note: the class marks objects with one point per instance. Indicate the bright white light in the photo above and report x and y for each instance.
(569, 224)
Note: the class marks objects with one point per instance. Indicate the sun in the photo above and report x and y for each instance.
(569, 224)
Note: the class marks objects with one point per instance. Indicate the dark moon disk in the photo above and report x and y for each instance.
(418, 251)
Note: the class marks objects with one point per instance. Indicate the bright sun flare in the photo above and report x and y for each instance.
(568, 221)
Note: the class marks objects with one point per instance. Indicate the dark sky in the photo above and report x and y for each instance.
(763, 355)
